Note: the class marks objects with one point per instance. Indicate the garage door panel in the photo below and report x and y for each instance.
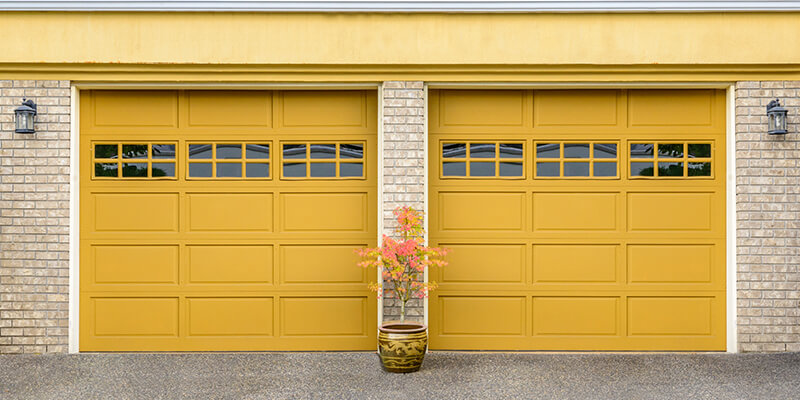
(575, 264)
(671, 263)
(135, 212)
(232, 212)
(232, 316)
(329, 265)
(321, 109)
(587, 108)
(481, 211)
(134, 264)
(671, 107)
(575, 211)
(221, 264)
(329, 212)
(484, 263)
(134, 316)
(324, 316)
(218, 108)
(482, 108)
(670, 211)
(482, 316)
(567, 316)
(666, 316)
(121, 108)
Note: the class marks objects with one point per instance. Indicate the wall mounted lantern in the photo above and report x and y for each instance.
(777, 118)
(23, 117)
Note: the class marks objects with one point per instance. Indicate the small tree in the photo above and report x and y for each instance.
(404, 261)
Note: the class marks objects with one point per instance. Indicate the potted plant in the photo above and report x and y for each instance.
(402, 344)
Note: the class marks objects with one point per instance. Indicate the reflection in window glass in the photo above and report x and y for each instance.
(701, 150)
(641, 150)
(323, 170)
(163, 151)
(576, 150)
(294, 170)
(576, 168)
(510, 150)
(642, 169)
(670, 169)
(547, 169)
(105, 151)
(670, 150)
(351, 169)
(481, 150)
(548, 150)
(133, 151)
(257, 170)
(481, 168)
(605, 150)
(163, 169)
(138, 170)
(605, 168)
(294, 151)
(454, 150)
(351, 151)
(229, 151)
(510, 168)
(200, 170)
(229, 170)
(256, 151)
(454, 169)
(200, 151)
(322, 151)
(699, 169)
(105, 169)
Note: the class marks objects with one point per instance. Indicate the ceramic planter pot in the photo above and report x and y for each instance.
(402, 346)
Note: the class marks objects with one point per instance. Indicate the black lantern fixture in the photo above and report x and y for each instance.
(777, 118)
(23, 117)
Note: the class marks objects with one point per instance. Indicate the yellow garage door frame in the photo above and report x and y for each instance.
(364, 340)
(724, 306)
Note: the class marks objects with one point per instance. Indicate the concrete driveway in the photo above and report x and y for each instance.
(444, 375)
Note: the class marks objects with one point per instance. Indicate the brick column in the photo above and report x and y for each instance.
(403, 165)
(34, 220)
(767, 219)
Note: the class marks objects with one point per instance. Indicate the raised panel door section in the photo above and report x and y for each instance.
(135, 316)
(328, 264)
(218, 108)
(324, 109)
(568, 316)
(663, 316)
(668, 263)
(135, 264)
(231, 316)
(574, 263)
(669, 211)
(480, 108)
(331, 212)
(473, 315)
(231, 212)
(481, 211)
(575, 108)
(324, 316)
(121, 108)
(485, 263)
(575, 211)
(210, 264)
(666, 108)
(136, 212)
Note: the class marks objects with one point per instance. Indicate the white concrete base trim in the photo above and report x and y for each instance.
(730, 223)
(74, 220)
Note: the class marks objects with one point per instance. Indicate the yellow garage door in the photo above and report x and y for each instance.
(217, 220)
(578, 219)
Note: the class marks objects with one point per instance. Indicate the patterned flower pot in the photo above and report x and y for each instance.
(402, 346)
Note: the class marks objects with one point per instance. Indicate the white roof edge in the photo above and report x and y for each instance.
(455, 6)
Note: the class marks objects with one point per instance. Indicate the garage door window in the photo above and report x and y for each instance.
(670, 160)
(133, 160)
(229, 160)
(482, 160)
(576, 160)
(329, 160)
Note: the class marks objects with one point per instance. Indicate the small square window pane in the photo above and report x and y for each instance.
(294, 170)
(200, 170)
(163, 169)
(510, 150)
(454, 169)
(137, 170)
(576, 150)
(351, 170)
(105, 151)
(294, 151)
(548, 169)
(257, 151)
(642, 169)
(481, 150)
(229, 170)
(670, 150)
(700, 150)
(229, 152)
(670, 169)
(481, 168)
(164, 151)
(134, 151)
(699, 169)
(200, 151)
(105, 169)
(322, 151)
(351, 151)
(576, 168)
(642, 150)
(323, 170)
(548, 150)
(454, 150)
(257, 170)
(605, 150)
(510, 169)
(605, 168)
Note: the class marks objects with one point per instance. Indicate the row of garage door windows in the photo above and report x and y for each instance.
(459, 160)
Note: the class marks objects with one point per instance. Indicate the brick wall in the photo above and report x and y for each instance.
(768, 219)
(34, 220)
(403, 165)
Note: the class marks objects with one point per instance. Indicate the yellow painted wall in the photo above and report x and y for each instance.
(400, 39)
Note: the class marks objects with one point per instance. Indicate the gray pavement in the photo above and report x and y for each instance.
(445, 375)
